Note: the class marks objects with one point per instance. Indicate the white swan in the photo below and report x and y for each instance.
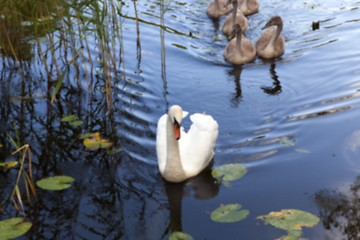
(236, 17)
(184, 155)
(271, 43)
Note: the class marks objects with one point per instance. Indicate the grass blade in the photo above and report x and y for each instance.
(58, 85)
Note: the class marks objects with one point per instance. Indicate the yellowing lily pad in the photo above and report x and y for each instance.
(290, 219)
(69, 118)
(229, 171)
(8, 165)
(13, 228)
(95, 141)
(55, 183)
(229, 213)
(180, 236)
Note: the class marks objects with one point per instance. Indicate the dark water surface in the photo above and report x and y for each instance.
(309, 96)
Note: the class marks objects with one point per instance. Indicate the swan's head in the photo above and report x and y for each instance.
(274, 21)
(236, 31)
(175, 115)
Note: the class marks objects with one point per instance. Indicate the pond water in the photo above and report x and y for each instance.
(293, 122)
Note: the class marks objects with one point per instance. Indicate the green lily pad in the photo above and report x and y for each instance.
(229, 171)
(55, 183)
(69, 118)
(229, 213)
(106, 144)
(180, 236)
(76, 123)
(13, 228)
(290, 219)
(7, 165)
(84, 135)
(114, 151)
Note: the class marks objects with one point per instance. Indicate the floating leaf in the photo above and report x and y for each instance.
(290, 219)
(1, 145)
(302, 150)
(69, 118)
(180, 236)
(84, 135)
(91, 144)
(95, 141)
(76, 123)
(8, 165)
(113, 151)
(229, 171)
(105, 144)
(55, 183)
(287, 141)
(229, 213)
(13, 228)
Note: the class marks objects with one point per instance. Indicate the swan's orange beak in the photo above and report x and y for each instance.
(177, 130)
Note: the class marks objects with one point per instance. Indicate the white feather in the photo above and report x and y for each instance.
(196, 146)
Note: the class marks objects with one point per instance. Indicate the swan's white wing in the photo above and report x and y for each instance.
(161, 144)
(197, 146)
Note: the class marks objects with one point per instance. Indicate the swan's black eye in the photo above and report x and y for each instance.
(176, 122)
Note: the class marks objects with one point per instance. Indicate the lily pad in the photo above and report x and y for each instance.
(114, 151)
(84, 135)
(91, 144)
(69, 118)
(9, 164)
(55, 183)
(180, 236)
(229, 213)
(95, 141)
(76, 123)
(13, 228)
(290, 219)
(229, 171)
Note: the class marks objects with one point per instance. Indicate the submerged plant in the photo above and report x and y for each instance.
(28, 178)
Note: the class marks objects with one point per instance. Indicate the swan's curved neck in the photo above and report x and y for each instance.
(235, 6)
(276, 35)
(174, 170)
(217, 5)
(238, 42)
(243, 5)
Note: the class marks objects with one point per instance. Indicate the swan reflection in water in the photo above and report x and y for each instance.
(203, 186)
(237, 96)
(276, 88)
